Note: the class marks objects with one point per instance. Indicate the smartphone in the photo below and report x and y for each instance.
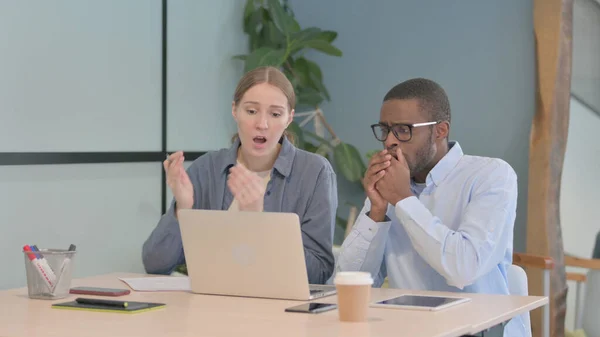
(99, 291)
(312, 308)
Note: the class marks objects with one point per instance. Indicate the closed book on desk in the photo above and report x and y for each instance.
(131, 308)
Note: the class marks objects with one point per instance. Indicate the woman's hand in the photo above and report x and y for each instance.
(247, 188)
(178, 181)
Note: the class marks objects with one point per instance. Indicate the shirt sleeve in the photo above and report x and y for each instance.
(318, 224)
(162, 252)
(364, 248)
(478, 245)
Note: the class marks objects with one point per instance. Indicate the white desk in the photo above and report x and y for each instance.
(195, 315)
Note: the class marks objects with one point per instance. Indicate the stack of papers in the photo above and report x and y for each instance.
(166, 283)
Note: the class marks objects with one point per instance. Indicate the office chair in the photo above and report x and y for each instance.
(517, 285)
(518, 282)
(587, 295)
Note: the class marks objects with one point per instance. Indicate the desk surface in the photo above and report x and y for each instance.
(189, 314)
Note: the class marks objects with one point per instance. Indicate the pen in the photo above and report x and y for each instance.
(34, 248)
(38, 266)
(64, 266)
(95, 301)
(44, 263)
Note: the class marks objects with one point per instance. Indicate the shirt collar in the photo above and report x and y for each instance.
(283, 163)
(441, 170)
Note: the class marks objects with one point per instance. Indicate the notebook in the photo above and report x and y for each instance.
(132, 307)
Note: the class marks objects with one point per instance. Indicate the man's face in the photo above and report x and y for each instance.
(420, 150)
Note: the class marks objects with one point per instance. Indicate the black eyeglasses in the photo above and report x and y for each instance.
(403, 132)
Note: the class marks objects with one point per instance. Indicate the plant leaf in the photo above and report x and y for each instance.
(264, 56)
(316, 39)
(323, 150)
(288, 71)
(348, 162)
(340, 230)
(306, 34)
(341, 221)
(308, 96)
(294, 25)
(182, 268)
(318, 84)
(284, 22)
(251, 27)
(328, 35)
(315, 69)
(317, 137)
(309, 74)
(310, 147)
(296, 130)
(240, 57)
(371, 154)
(299, 39)
(323, 46)
(301, 71)
(315, 78)
(253, 21)
(248, 11)
(273, 37)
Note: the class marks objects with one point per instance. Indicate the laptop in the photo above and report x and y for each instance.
(250, 254)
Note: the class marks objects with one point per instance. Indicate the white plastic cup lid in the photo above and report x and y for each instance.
(353, 278)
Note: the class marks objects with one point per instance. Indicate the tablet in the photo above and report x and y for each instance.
(421, 302)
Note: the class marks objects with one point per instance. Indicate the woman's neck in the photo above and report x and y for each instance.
(258, 164)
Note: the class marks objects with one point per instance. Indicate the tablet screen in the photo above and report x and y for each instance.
(420, 301)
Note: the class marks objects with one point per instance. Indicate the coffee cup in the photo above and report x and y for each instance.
(353, 295)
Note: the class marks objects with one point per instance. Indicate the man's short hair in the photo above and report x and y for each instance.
(432, 97)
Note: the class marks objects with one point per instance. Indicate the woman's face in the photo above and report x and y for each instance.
(262, 116)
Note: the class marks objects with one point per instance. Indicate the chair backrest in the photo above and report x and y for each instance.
(517, 285)
(517, 281)
(591, 303)
(596, 252)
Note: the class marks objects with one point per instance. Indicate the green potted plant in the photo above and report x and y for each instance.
(276, 39)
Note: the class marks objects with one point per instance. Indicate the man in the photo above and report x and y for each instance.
(434, 218)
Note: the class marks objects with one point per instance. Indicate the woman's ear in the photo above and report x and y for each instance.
(233, 111)
(290, 117)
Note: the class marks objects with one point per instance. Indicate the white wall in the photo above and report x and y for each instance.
(106, 210)
(203, 36)
(201, 74)
(580, 190)
(86, 76)
(80, 75)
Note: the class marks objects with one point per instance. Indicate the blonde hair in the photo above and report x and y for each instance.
(272, 76)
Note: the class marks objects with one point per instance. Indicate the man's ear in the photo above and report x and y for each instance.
(442, 130)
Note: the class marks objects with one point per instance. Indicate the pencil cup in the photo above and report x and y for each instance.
(48, 273)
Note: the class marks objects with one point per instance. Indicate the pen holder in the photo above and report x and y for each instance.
(48, 273)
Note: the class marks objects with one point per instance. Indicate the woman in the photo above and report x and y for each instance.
(261, 171)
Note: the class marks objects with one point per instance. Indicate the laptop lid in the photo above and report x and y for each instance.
(253, 254)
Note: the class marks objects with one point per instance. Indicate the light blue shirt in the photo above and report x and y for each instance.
(455, 234)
